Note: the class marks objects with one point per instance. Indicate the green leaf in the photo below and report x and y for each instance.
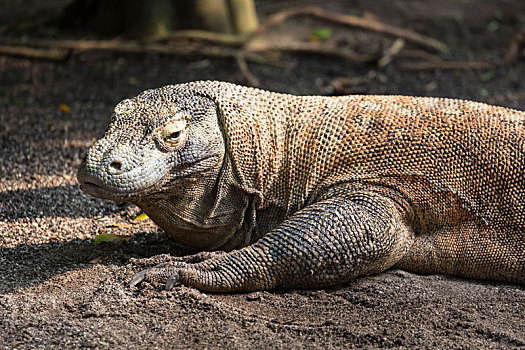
(105, 237)
(321, 34)
(141, 217)
(493, 26)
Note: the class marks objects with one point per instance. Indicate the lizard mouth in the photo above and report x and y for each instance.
(93, 187)
(95, 190)
(98, 191)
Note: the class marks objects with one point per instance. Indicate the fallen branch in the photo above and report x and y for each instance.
(132, 46)
(315, 48)
(199, 35)
(352, 21)
(79, 45)
(444, 65)
(424, 55)
(41, 53)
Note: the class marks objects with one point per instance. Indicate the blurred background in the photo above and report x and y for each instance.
(445, 48)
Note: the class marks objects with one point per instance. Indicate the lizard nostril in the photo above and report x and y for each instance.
(116, 165)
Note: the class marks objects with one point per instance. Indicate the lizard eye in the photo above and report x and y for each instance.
(173, 133)
(174, 136)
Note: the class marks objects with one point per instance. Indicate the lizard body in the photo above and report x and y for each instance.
(307, 191)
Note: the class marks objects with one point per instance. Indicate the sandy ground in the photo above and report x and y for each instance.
(59, 288)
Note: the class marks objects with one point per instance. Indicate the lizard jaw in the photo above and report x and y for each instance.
(92, 186)
(95, 190)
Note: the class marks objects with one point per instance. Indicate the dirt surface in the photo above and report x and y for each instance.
(58, 288)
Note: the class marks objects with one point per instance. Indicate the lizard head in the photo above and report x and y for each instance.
(159, 142)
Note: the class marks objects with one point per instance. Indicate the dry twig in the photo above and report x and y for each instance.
(444, 65)
(133, 46)
(424, 55)
(199, 35)
(43, 53)
(315, 48)
(352, 21)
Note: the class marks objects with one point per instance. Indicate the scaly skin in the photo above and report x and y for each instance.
(309, 191)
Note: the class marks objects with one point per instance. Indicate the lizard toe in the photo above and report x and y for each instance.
(159, 274)
(172, 280)
(138, 278)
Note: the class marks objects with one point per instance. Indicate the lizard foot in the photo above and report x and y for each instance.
(170, 272)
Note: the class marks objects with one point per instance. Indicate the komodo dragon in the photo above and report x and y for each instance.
(311, 191)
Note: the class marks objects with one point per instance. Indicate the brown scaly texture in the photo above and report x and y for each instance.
(307, 191)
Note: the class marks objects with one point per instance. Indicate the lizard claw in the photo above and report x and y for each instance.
(139, 277)
(172, 281)
(157, 274)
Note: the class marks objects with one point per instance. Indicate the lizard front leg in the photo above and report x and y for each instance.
(326, 243)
